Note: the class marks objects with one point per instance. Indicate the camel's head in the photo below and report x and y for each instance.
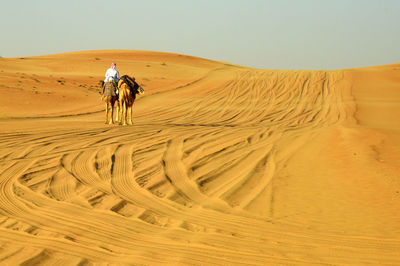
(141, 90)
(101, 84)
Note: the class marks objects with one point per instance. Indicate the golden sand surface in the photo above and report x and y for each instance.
(224, 165)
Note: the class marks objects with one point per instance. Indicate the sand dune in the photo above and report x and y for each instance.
(224, 164)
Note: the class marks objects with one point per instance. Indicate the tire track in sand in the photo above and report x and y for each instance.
(192, 182)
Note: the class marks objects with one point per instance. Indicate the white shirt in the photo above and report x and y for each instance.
(112, 74)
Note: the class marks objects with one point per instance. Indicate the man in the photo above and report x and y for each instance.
(112, 75)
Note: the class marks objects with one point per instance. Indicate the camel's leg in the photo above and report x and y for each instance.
(106, 113)
(117, 113)
(125, 107)
(112, 114)
(121, 110)
(125, 114)
(130, 115)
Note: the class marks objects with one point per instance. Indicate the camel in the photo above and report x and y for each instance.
(128, 89)
(109, 96)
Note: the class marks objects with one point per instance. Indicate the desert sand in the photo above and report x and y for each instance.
(224, 165)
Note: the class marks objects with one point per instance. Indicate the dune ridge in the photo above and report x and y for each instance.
(224, 165)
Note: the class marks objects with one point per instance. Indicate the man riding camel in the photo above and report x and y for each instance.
(112, 75)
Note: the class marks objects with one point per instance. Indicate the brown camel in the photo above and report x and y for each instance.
(128, 89)
(109, 96)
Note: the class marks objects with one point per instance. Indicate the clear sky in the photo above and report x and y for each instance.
(273, 34)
